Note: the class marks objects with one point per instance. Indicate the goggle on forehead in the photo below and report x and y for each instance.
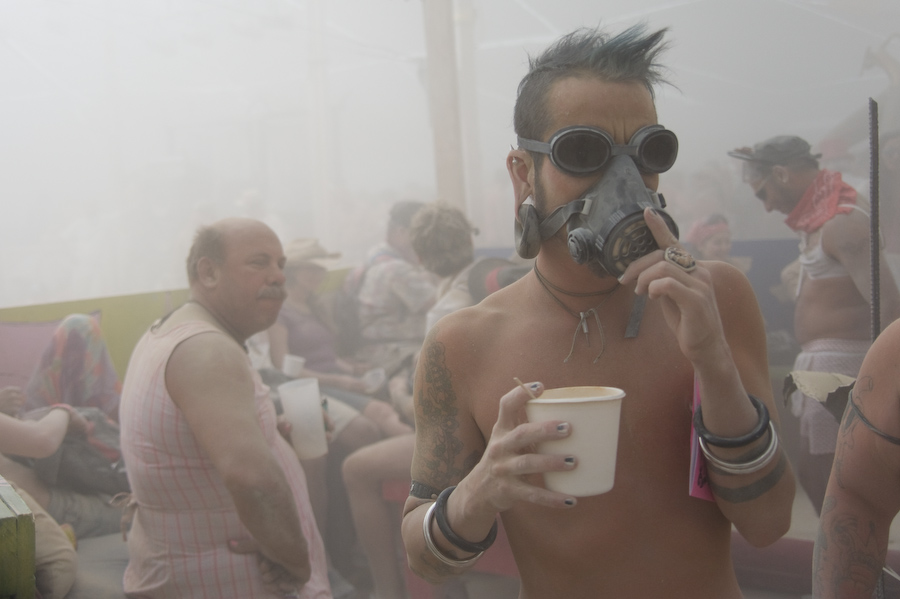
(583, 150)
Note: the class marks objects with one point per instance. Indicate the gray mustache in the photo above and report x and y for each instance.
(274, 292)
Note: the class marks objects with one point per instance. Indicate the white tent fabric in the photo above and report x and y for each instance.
(127, 124)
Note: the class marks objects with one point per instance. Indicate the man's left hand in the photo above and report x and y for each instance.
(685, 288)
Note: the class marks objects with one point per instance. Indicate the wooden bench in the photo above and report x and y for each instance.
(16, 545)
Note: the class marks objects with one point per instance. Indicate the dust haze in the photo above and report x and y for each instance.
(125, 125)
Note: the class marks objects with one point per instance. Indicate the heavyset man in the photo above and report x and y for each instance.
(222, 504)
(587, 123)
(832, 313)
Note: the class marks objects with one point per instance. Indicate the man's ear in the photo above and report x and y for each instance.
(521, 173)
(527, 224)
(781, 173)
(207, 272)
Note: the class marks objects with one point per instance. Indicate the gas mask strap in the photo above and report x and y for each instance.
(636, 316)
(559, 217)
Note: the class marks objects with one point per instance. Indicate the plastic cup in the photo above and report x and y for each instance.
(293, 365)
(593, 414)
(302, 405)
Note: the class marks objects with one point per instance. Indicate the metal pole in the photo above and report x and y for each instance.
(874, 236)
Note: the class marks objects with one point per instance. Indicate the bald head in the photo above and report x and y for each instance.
(211, 241)
(236, 267)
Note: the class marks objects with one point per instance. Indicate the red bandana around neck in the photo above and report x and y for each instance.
(826, 197)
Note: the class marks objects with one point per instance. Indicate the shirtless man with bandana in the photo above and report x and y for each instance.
(647, 537)
(832, 315)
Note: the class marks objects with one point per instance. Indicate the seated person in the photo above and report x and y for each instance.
(303, 329)
(365, 471)
(55, 559)
(75, 369)
(710, 239)
(393, 295)
(442, 238)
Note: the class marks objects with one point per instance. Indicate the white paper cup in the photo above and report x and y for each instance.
(293, 365)
(593, 415)
(302, 406)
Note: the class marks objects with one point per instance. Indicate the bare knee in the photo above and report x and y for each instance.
(357, 469)
(359, 432)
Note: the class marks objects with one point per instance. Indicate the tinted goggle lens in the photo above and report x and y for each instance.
(657, 151)
(584, 151)
(581, 152)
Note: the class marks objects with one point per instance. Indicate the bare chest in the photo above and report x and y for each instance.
(555, 351)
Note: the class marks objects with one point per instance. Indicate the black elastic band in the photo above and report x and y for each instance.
(440, 512)
(761, 426)
(872, 427)
(422, 491)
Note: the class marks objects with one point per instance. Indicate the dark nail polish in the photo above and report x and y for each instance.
(570, 501)
(563, 427)
(570, 460)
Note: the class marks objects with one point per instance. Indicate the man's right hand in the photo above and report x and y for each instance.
(505, 473)
(275, 577)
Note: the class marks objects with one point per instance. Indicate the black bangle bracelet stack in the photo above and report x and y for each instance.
(758, 431)
(455, 539)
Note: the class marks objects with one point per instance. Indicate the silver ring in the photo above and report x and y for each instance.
(680, 258)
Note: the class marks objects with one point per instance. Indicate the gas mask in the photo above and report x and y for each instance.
(605, 225)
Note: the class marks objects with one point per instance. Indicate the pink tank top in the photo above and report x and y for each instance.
(178, 544)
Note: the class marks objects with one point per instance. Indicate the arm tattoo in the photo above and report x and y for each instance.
(437, 405)
(851, 545)
(853, 415)
(845, 440)
(755, 489)
(820, 548)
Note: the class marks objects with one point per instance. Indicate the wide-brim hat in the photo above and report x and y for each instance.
(310, 251)
(780, 150)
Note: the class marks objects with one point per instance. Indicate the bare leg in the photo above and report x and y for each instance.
(315, 470)
(386, 417)
(26, 478)
(341, 539)
(364, 472)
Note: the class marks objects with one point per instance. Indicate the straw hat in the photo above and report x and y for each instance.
(308, 250)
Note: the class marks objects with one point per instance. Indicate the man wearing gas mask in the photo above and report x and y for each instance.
(613, 300)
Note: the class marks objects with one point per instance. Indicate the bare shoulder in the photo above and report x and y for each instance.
(209, 361)
(468, 327)
(884, 355)
(453, 349)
